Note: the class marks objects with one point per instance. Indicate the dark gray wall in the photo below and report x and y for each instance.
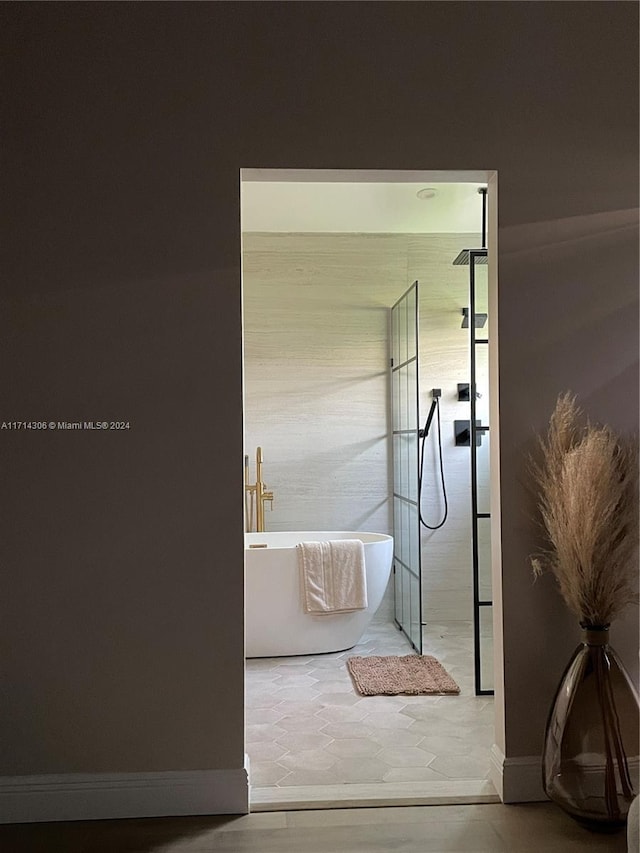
(125, 128)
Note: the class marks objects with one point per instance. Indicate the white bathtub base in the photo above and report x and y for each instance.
(276, 625)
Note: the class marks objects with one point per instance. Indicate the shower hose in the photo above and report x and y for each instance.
(435, 405)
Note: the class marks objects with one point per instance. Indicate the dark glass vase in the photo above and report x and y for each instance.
(591, 748)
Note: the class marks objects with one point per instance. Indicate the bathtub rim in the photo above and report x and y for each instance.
(308, 536)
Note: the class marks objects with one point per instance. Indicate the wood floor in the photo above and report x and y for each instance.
(534, 828)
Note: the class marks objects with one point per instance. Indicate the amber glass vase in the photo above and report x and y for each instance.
(591, 749)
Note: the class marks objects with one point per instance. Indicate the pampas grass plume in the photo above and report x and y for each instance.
(587, 481)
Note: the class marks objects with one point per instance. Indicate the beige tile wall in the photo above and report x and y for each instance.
(316, 354)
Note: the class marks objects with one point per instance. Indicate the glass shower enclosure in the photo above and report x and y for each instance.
(404, 415)
(405, 437)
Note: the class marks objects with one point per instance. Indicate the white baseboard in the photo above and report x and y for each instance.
(517, 780)
(99, 796)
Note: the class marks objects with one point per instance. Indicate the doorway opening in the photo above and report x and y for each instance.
(356, 315)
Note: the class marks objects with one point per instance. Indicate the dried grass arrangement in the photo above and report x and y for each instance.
(587, 480)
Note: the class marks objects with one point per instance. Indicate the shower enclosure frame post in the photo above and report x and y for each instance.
(476, 433)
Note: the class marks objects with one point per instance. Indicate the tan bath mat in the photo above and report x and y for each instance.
(391, 675)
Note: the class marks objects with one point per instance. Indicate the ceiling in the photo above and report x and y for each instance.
(360, 207)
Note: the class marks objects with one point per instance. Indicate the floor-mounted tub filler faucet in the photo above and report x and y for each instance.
(255, 495)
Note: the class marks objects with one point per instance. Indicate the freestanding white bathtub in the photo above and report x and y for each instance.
(276, 623)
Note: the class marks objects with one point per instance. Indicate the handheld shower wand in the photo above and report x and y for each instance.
(422, 434)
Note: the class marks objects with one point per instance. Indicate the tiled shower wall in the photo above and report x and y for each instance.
(316, 350)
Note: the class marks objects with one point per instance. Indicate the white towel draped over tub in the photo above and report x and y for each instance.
(333, 576)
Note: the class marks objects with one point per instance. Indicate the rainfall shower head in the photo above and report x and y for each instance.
(463, 257)
(479, 320)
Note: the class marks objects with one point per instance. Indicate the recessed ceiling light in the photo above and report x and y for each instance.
(427, 192)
